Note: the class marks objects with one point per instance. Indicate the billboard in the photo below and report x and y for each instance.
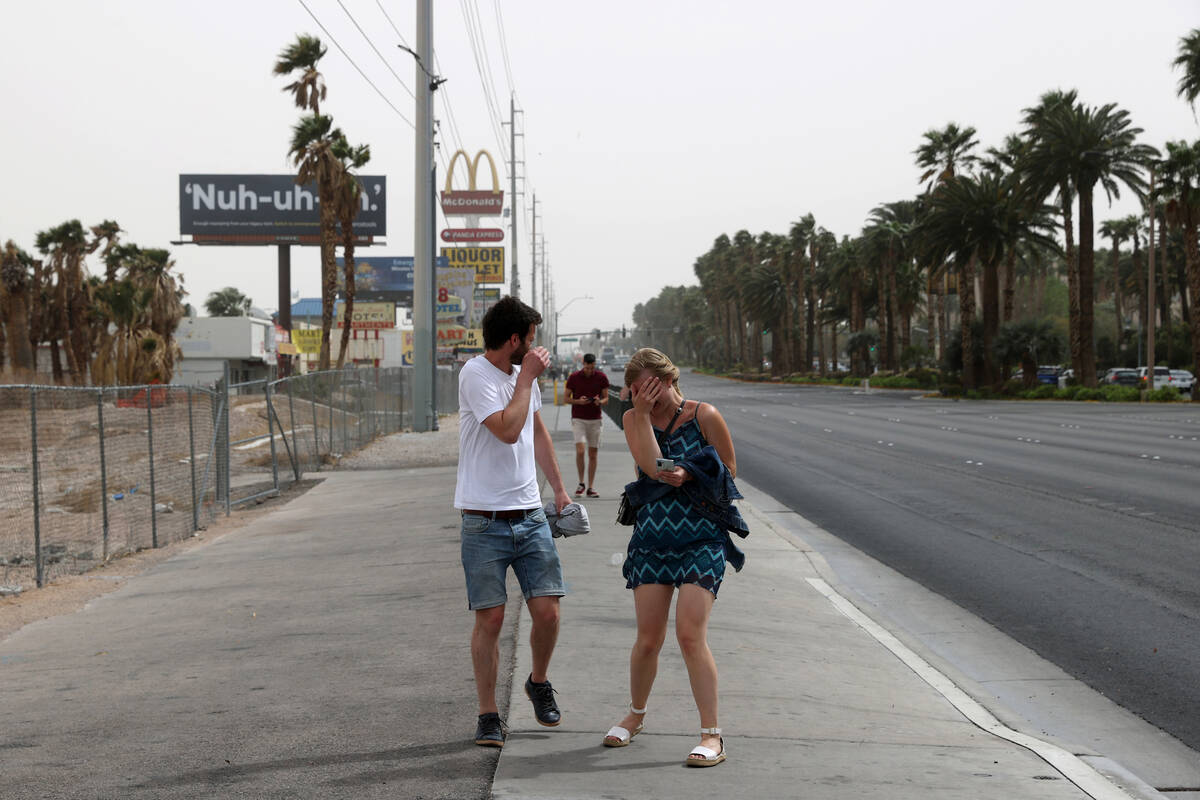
(381, 279)
(472, 202)
(268, 209)
(488, 262)
(366, 316)
(485, 298)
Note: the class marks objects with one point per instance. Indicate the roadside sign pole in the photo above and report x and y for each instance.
(285, 286)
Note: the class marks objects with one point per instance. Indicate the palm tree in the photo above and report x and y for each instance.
(65, 246)
(227, 302)
(1041, 184)
(891, 228)
(1089, 145)
(974, 222)
(741, 259)
(804, 234)
(1116, 232)
(1181, 186)
(15, 265)
(1188, 61)
(143, 309)
(312, 153)
(303, 55)
(1030, 342)
(347, 195)
(767, 295)
(108, 233)
(944, 152)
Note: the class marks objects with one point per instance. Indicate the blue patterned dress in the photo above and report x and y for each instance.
(672, 543)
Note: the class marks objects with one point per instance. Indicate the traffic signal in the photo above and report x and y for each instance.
(624, 335)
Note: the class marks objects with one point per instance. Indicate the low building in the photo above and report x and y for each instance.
(246, 344)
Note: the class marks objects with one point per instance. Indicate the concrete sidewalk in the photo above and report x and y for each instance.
(322, 651)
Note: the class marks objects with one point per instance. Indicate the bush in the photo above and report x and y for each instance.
(895, 382)
(925, 377)
(1071, 392)
(1167, 394)
(1085, 393)
(851, 381)
(1122, 394)
(1044, 392)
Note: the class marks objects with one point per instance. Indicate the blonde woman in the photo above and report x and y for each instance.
(680, 539)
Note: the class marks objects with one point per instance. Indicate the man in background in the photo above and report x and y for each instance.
(587, 391)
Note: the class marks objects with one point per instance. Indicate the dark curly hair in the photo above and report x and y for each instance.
(507, 317)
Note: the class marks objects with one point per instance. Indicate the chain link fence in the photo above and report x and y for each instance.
(88, 474)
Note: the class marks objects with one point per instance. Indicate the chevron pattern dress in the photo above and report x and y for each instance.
(671, 543)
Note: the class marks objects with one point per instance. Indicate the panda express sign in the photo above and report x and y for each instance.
(472, 202)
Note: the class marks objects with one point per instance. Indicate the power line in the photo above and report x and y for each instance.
(372, 46)
(487, 58)
(512, 86)
(494, 113)
(443, 92)
(351, 60)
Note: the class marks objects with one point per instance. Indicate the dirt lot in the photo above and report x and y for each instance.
(68, 593)
(72, 592)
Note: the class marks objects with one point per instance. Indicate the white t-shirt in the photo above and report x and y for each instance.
(492, 475)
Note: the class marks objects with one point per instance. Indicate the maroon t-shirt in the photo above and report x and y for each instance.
(583, 386)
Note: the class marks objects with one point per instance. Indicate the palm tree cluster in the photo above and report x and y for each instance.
(115, 329)
(322, 155)
(979, 243)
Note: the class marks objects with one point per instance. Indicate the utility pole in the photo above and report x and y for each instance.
(424, 362)
(512, 203)
(533, 258)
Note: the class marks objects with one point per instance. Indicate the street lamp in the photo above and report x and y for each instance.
(559, 312)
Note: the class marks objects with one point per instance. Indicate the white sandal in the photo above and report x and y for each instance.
(707, 756)
(618, 736)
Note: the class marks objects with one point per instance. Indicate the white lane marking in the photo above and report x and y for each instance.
(891, 444)
(793, 422)
(1073, 768)
(827, 430)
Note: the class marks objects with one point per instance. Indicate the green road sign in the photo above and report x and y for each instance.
(569, 339)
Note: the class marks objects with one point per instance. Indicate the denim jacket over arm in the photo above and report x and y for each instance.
(711, 491)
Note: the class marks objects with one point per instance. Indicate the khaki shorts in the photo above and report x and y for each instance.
(587, 430)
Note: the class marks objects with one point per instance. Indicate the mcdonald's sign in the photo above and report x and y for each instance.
(472, 201)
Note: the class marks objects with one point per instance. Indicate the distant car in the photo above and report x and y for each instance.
(1055, 376)
(1162, 377)
(1182, 379)
(1121, 377)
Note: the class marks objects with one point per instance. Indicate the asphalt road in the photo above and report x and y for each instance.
(1072, 527)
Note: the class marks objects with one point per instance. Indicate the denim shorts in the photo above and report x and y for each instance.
(491, 546)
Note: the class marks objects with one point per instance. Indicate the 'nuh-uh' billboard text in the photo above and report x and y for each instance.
(242, 208)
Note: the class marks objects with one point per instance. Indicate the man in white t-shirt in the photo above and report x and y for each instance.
(501, 442)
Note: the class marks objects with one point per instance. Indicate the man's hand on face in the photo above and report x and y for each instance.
(535, 362)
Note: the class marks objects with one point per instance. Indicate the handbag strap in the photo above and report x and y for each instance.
(671, 427)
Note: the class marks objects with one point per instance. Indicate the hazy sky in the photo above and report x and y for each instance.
(651, 127)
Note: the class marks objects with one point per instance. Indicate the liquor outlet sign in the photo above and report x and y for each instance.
(266, 209)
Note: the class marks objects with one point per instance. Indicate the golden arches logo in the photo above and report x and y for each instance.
(473, 170)
(472, 202)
